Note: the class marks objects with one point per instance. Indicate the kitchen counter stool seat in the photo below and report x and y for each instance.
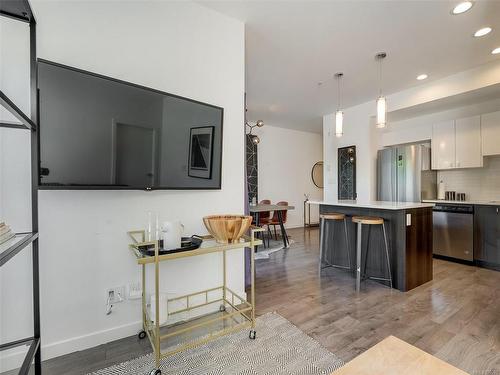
(369, 220)
(332, 218)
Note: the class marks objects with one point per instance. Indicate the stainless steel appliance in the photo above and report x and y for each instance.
(453, 231)
(404, 174)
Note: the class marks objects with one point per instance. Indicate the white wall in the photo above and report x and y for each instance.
(359, 128)
(356, 133)
(178, 47)
(285, 159)
(14, 63)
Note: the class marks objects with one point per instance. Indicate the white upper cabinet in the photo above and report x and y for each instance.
(443, 145)
(468, 142)
(457, 144)
(490, 133)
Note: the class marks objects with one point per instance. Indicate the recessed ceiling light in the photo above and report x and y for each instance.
(421, 77)
(496, 51)
(462, 7)
(482, 32)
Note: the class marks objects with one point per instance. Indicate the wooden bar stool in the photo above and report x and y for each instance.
(333, 217)
(369, 220)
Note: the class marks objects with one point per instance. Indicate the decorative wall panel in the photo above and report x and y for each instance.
(347, 173)
(251, 156)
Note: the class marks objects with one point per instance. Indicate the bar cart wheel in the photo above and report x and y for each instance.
(142, 335)
(252, 335)
(155, 372)
(222, 308)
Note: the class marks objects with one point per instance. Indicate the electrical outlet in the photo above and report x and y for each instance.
(115, 295)
(134, 290)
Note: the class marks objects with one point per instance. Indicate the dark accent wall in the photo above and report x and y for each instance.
(252, 168)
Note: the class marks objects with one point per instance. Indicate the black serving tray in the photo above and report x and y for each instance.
(188, 243)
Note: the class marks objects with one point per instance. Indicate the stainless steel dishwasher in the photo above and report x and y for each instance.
(453, 235)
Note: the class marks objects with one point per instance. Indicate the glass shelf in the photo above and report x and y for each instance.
(209, 245)
(13, 246)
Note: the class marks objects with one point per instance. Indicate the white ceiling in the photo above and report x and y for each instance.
(293, 45)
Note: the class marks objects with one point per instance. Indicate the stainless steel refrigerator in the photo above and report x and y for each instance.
(404, 174)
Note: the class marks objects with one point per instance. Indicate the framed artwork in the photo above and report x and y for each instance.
(201, 142)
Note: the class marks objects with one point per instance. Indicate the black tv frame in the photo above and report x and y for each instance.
(116, 187)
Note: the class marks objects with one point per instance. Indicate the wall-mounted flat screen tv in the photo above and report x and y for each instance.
(101, 133)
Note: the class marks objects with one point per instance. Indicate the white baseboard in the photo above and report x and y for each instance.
(293, 226)
(14, 360)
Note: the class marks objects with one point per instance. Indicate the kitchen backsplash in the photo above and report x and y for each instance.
(477, 183)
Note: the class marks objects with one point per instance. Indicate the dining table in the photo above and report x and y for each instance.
(255, 210)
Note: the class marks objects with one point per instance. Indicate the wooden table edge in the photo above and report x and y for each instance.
(417, 361)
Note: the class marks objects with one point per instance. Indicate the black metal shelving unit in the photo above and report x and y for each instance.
(20, 10)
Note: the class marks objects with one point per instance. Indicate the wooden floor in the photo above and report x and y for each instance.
(455, 317)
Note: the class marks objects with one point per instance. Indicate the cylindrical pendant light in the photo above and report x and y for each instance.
(339, 115)
(381, 112)
(381, 100)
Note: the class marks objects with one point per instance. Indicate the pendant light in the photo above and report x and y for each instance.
(339, 115)
(381, 101)
(255, 138)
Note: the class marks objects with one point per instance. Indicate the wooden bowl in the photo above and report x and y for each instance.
(227, 228)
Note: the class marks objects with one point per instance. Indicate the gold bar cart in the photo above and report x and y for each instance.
(233, 308)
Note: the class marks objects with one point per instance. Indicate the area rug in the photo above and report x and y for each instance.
(274, 246)
(280, 348)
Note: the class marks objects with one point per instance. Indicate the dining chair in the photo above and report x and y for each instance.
(264, 219)
(275, 219)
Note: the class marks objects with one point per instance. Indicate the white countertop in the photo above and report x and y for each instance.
(487, 203)
(381, 205)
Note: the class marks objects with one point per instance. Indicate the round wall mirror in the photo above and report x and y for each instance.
(317, 174)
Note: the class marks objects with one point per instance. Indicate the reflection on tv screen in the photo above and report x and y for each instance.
(97, 132)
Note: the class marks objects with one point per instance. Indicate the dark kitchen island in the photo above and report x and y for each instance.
(409, 236)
